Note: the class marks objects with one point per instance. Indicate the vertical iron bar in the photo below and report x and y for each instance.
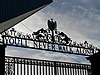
(37, 67)
(17, 67)
(43, 68)
(8, 67)
(65, 70)
(75, 70)
(68, 70)
(31, 68)
(46, 68)
(83, 71)
(80, 70)
(62, 69)
(21, 68)
(40, 68)
(24, 68)
(57, 69)
(14, 66)
(27, 68)
(55, 72)
(86, 70)
(34, 68)
(51, 68)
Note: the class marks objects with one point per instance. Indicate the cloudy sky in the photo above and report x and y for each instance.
(79, 19)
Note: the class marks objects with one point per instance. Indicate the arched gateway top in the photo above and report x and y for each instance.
(49, 39)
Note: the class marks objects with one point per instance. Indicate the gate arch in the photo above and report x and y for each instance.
(48, 40)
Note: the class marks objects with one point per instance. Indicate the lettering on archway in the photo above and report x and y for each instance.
(42, 40)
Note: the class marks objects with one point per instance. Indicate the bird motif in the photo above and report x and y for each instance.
(52, 25)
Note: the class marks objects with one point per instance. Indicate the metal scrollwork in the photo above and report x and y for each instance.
(40, 35)
(9, 69)
(46, 37)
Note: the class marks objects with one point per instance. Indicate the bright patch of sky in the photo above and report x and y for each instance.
(79, 19)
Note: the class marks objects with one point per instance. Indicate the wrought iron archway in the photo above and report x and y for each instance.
(49, 40)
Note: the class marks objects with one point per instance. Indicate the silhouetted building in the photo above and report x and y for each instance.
(14, 11)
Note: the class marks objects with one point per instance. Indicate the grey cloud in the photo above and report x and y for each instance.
(95, 36)
(67, 5)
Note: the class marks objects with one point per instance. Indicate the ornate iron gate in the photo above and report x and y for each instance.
(49, 40)
(26, 66)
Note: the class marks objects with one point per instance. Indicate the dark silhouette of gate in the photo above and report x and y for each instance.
(49, 40)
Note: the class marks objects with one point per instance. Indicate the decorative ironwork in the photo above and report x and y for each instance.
(26, 66)
(9, 67)
(48, 39)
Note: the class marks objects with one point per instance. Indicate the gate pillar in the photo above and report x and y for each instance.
(95, 63)
(2, 59)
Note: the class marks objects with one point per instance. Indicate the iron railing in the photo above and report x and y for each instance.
(26, 66)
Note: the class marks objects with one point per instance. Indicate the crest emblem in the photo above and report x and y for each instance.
(52, 25)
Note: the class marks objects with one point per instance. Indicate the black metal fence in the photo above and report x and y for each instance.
(26, 66)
